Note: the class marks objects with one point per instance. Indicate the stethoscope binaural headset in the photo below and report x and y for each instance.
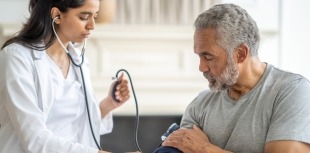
(84, 88)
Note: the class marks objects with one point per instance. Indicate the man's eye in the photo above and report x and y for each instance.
(208, 57)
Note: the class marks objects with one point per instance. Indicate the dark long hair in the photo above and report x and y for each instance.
(38, 27)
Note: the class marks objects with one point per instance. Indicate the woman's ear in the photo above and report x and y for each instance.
(55, 14)
(242, 52)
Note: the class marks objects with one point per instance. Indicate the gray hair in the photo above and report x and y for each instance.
(234, 26)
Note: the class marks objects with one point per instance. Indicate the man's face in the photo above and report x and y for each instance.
(226, 79)
(216, 66)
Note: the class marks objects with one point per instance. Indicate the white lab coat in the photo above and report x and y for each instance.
(26, 97)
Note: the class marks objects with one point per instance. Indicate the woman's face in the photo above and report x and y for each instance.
(76, 24)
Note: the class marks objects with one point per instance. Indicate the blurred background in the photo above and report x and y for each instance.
(152, 40)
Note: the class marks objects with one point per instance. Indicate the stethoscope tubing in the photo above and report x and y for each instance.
(85, 92)
(82, 75)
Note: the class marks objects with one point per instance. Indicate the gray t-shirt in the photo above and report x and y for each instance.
(277, 108)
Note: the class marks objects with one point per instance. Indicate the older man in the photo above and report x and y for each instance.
(252, 107)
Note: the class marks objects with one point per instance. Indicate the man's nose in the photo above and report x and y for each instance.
(203, 66)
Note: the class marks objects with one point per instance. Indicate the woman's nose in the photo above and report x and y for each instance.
(91, 24)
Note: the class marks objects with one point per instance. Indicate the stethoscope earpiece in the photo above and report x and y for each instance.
(57, 17)
(62, 45)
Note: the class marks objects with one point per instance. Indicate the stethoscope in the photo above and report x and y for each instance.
(79, 65)
(62, 45)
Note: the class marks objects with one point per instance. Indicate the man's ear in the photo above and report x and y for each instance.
(242, 52)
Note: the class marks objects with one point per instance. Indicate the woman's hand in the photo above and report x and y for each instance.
(122, 94)
(122, 90)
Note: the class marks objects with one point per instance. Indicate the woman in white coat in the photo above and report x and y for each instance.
(44, 96)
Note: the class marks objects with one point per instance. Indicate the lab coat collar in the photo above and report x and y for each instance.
(43, 79)
(76, 54)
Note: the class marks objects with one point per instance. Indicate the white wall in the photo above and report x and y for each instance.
(13, 11)
(295, 55)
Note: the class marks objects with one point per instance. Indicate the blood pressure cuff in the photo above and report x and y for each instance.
(166, 149)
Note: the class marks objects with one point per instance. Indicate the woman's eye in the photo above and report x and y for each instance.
(84, 17)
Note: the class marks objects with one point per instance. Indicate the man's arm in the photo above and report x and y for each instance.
(286, 147)
(192, 141)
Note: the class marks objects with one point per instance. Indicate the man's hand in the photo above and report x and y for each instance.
(191, 141)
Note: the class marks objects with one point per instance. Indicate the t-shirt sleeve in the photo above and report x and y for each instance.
(291, 113)
(188, 119)
(193, 112)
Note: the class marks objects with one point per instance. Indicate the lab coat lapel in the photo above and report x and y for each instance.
(43, 81)
(92, 103)
(76, 57)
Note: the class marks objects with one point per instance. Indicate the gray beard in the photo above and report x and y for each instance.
(225, 80)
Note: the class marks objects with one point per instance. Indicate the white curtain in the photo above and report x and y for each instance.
(160, 12)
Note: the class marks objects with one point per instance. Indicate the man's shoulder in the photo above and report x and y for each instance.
(277, 73)
(279, 76)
